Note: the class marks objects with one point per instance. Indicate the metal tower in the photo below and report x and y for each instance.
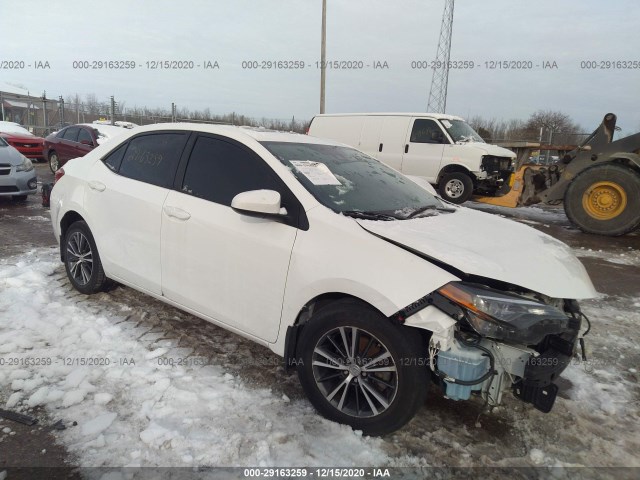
(438, 92)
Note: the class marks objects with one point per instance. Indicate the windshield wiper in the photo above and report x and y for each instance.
(427, 208)
(369, 215)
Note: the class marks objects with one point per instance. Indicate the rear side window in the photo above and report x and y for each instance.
(218, 171)
(153, 158)
(426, 131)
(71, 134)
(114, 159)
(84, 135)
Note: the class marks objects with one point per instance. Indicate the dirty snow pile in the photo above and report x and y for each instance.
(133, 411)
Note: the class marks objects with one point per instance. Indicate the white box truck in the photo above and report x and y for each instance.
(442, 149)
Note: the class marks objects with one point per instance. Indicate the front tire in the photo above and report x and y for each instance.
(456, 187)
(54, 162)
(605, 200)
(358, 368)
(82, 261)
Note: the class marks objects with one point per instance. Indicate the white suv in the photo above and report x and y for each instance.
(364, 281)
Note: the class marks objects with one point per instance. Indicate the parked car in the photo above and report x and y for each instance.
(17, 175)
(76, 141)
(364, 281)
(22, 140)
(441, 148)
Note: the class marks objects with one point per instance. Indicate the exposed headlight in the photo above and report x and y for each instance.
(25, 166)
(504, 316)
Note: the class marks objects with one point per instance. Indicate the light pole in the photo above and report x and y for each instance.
(323, 55)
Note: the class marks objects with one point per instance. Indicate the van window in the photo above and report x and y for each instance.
(427, 131)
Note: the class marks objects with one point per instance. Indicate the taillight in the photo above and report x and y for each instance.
(58, 175)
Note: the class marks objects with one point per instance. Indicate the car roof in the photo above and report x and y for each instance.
(440, 116)
(242, 133)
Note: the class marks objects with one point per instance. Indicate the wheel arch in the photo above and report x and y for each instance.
(452, 168)
(68, 219)
(306, 312)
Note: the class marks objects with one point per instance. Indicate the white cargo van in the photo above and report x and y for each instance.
(443, 149)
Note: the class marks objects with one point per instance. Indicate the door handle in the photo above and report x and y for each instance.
(406, 148)
(380, 148)
(176, 212)
(99, 186)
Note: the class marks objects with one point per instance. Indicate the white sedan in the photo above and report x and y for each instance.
(366, 283)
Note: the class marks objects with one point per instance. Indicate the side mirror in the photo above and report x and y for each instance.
(258, 201)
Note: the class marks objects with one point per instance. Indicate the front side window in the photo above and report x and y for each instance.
(426, 131)
(153, 158)
(346, 180)
(217, 171)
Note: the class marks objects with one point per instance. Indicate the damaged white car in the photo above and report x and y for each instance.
(365, 282)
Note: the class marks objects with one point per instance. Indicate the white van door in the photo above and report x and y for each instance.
(392, 141)
(370, 135)
(424, 149)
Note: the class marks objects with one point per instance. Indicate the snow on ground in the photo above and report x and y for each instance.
(629, 256)
(531, 215)
(138, 410)
(135, 411)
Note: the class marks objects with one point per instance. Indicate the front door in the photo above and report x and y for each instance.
(224, 264)
(424, 149)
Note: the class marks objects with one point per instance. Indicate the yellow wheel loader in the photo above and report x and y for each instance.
(599, 183)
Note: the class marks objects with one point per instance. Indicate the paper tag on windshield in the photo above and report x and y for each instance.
(316, 172)
(446, 123)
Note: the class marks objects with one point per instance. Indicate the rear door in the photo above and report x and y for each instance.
(66, 148)
(125, 197)
(224, 264)
(85, 142)
(392, 141)
(424, 149)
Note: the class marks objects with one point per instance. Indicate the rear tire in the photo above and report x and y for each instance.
(348, 389)
(604, 200)
(54, 162)
(456, 187)
(82, 261)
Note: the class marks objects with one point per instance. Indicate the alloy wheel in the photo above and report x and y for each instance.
(355, 372)
(79, 258)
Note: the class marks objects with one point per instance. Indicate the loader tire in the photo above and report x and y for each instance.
(605, 200)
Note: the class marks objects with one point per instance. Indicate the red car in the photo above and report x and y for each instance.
(76, 141)
(22, 140)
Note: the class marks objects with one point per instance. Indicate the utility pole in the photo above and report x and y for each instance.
(44, 112)
(61, 104)
(439, 81)
(323, 55)
(113, 111)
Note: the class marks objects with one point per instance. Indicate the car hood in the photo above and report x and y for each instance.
(482, 244)
(22, 137)
(488, 149)
(10, 155)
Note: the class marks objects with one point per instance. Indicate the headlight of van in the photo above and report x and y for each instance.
(505, 316)
(25, 166)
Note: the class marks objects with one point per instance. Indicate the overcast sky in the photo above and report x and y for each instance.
(397, 32)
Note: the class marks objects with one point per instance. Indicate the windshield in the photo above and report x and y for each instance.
(348, 181)
(461, 131)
